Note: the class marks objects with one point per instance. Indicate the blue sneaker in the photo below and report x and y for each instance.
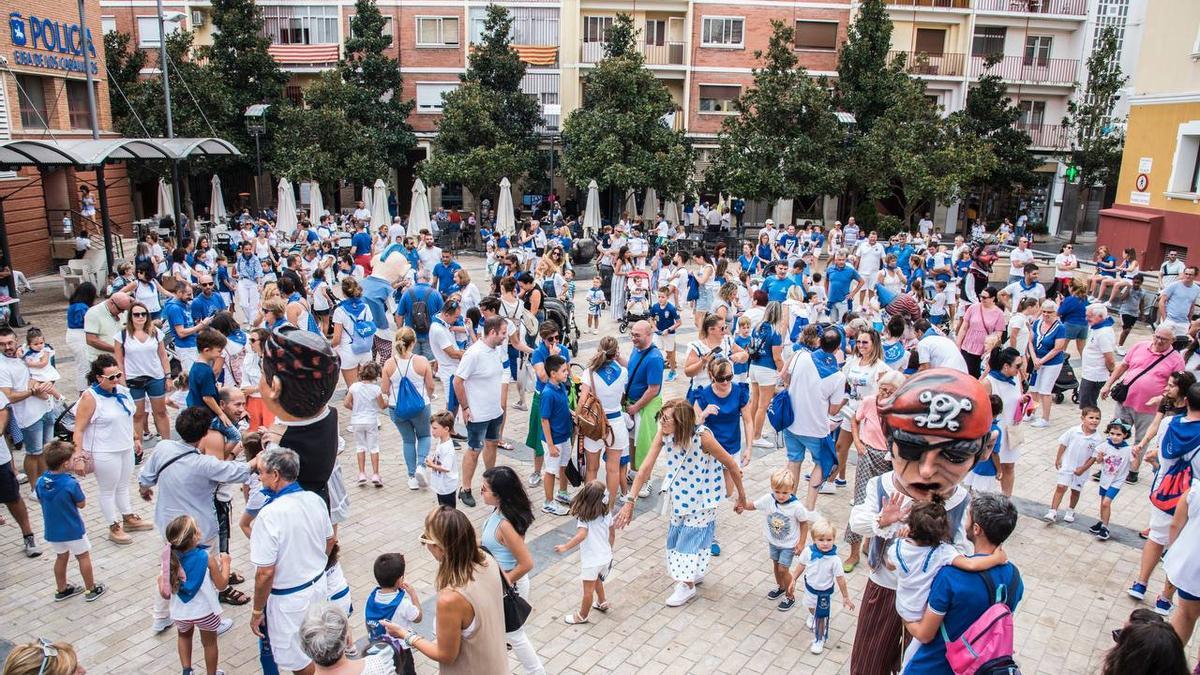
(715, 549)
(839, 482)
(671, 376)
(1137, 590)
(1163, 606)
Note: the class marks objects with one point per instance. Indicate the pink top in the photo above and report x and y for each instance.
(869, 429)
(1151, 384)
(979, 323)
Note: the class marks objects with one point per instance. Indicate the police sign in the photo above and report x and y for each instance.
(65, 42)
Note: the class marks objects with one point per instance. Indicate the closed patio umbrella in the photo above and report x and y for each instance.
(782, 212)
(591, 213)
(216, 202)
(366, 197)
(671, 212)
(631, 204)
(506, 221)
(285, 212)
(316, 205)
(418, 214)
(165, 201)
(650, 206)
(378, 205)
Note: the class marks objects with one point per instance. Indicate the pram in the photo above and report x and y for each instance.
(1066, 382)
(563, 315)
(637, 306)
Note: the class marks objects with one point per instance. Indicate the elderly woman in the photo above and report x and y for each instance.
(470, 608)
(325, 638)
(1048, 343)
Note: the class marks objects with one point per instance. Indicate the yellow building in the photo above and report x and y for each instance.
(1157, 206)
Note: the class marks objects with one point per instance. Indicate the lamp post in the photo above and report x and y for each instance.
(175, 17)
(256, 124)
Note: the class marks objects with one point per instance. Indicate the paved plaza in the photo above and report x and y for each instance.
(1074, 584)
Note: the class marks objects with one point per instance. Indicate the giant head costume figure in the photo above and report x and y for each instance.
(300, 372)
(388, 268)
(984, 252)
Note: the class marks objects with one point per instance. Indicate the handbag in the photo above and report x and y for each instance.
(1120, 390)
(574, 467)
(516, 608)
(82, 462)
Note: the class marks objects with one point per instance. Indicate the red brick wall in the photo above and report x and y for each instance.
(412, 56)
(757, 34)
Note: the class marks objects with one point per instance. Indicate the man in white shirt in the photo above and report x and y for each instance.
(935, 350)
(1170, 270)
(771, 232)
(663, 230)
(429, 254)
(1099, 354)
(10, 490)
(445, 349)
(477, 385)
(870, 259)
(102, 323)
(818, 391)
(1025, 286)
(289, 544)
(925, 226)
(30, 403)
(1018, 258)
(361, 212)
(638, 248)
(396, 231)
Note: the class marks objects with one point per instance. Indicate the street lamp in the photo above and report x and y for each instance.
(173, 17)
(256, 124)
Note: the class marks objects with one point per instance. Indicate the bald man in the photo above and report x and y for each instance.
(101, 324)
(209, 302)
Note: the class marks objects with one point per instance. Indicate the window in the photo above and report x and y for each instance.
(719, 98)
(988, 40)
(595, 28)
(301, 25)
(437, 31)
(32, 102)
(817, 35)
(931, 41)
(1185, 169)
(387, 26)
(531, 25)
(147, 28)
(656, 32)
(722, 31)
(1037, 50)
(1033, 113)
(77, 105)
(429, 95)
(108, 24)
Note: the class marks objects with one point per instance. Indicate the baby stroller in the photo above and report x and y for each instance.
(637, 303)
(1066, 382)
(563, 315)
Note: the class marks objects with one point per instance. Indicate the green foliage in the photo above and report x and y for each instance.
(1098, 139)
(124, 63)
(617, 137)
(315, 149)
(488, 129)
(888, 225)
(867, 84)
(785, 140)
(989, 114)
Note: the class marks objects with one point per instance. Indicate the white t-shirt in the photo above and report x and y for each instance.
(14, 375)
(916, 566)
(1114, 463)
(812, 396)
(595, 549)
(870, 257)
(444, 483)
(290, 533)
(1061, 260)
(925, 226)
(482, 373)
(429, 257)
(1080, 446)
(342, 318)
(940, 351)
(5, 453)
(1182, 563)
(362, 214)
(782, 522)
(1170, 272)
(937, 306)
(366, 403)
(406, 612)
(1016, 293)
(1100, 341)
(440, 337)
(1017, 260)
(822, 572)
(141, 356)
(1018, 325)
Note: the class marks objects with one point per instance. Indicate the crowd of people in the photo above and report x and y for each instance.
(206, 371)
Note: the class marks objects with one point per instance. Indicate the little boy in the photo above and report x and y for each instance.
(985, 476)
(596, 303)
(442, 460)
(818, 568)
(666, 322)
(786, 527)
(393, 601)
(1076, 448)
(202, 379)
(819, 298)
(1130, 309)
(1115, 455)
(61, 498)
(557, 426)
(938, 304)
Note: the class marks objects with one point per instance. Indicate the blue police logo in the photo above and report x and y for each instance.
(16, 26)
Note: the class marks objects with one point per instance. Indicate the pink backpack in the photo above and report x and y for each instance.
(986, 647)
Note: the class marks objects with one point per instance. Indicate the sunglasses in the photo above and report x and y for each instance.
(550, 338)
(49, 651)
(723, 379)
(112, 378)
(140, 314)
(426, 540)
(911, 448)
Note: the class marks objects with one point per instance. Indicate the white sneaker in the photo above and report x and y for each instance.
(681, 595)
(827, 488)
(1050, 516)
(413, 483)
(762, 443)
(1039, 423)
(555, 509)
(535, 479)
(423, 476)
(224, 627)
(160, 625)
(812, 621)
(645, 491)
(817, 647)
(1069, 516)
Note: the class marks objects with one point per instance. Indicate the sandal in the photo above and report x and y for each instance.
(848, 567)
(232, 596)
(504, 445)
(573, 619)
(235, 579)
(602, 606)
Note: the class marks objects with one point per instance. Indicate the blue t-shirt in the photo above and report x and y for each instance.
(961, 597)
(205, 306)
(376, 611)
(202, 381)
(744, 343)
(1073, 311)
(1044, 338)
(178, 316)
(555, 408)
(361, 241)
(60, 497)
(776, 288)
(987, 467)
(1180, 299)
(419, 293)
(840, 279)
(787, 243)
(539, 355)
(749, 263)
(726, 424)
(769, 338)
(1107, 266)
(903, 253)
(645, 375)
(665, 318)
(75, 315)
(445, 276)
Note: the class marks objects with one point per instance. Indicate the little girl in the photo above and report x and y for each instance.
(596, 303)
(179, 391)
(191, 579)
(821, 568)
(39, 357)
(594, 536)
(1114, 456)
(443, 460)
(365, 400)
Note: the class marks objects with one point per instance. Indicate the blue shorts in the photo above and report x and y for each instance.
(939, 319)
(782, 555)
(478, 432)
(1075, 331)
(798, 445)
(1184, 595)
(1109, 492)
(513, 356)
(153, 389)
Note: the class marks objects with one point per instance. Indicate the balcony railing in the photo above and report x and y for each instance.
(1069, 7)
(1046, 136)
(1020, 69)
(922, 63)
(669, 54)
(935, 4)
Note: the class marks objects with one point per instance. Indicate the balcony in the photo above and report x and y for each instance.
(1032, 71)
(1059, 7)
(1046, 136)
(937, 65)
(667, 54)
(931, 4)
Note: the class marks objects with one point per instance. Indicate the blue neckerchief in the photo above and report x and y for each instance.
(789, 500)
(609, 372)
(1120, 445)
(121, 398)
(930, 331)
(295, 296)
(1103, 324)
(272, 495)
(995, 374)
(817, 553)
(1029, 287)
(194, 563)
(825, 362)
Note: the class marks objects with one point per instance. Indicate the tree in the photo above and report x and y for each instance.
(618, 137)
(488, 129)
(124, 63)
(1096, 133)
(785, 139)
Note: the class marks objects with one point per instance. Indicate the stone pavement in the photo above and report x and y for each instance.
(1075, 585)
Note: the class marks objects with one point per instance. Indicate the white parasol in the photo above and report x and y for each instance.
(378, 204)
(285, 211)
(418, 214)
(216, 202)
(591, 214)
(316, 205)
(366, 197)
(650, 206)
(631, 204)
(166, 204)
(671, 212)
(506, 223)
(782, 212)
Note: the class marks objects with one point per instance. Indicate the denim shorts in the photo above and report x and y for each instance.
(153, 389)
(478, 432)
(1076, 331)
(782, 554)
(797, 445)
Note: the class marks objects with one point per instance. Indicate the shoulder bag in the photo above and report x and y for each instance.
(1120, 390)
(516, 608)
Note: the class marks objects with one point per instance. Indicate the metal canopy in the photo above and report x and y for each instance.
(82, 153)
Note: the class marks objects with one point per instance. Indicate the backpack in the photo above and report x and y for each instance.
(1173, 484)
(986, 647)
(420, 313)
(408, 401)
(364, 330)
(779, 411)
(590, 418)
(758, 341)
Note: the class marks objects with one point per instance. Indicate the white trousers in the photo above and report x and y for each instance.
(113, 471)
(521, 647)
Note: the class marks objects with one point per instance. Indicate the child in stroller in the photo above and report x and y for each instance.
(637, 306)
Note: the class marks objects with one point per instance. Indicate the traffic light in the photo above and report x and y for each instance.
(1072, 173)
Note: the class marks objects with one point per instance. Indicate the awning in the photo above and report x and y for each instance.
(75, 152)
(299, 55)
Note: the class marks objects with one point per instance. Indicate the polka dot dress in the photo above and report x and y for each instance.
(695, 483)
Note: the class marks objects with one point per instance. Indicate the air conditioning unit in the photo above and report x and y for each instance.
(198, 18)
